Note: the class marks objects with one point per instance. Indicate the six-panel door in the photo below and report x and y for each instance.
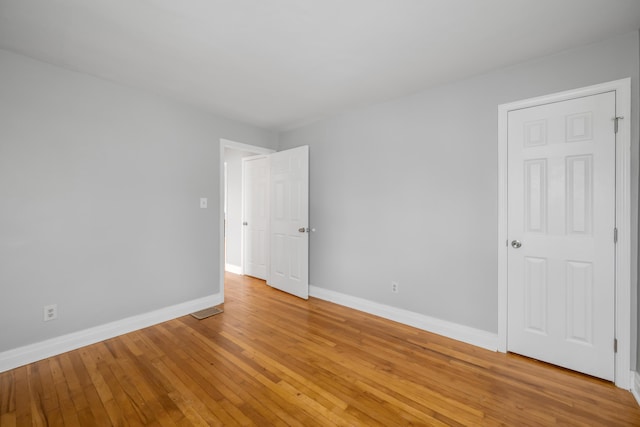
(561, 209)
(289, 237)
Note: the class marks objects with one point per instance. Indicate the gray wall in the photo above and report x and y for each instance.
(233, 158)
(99, 200)
(407, 190)
(99, 188)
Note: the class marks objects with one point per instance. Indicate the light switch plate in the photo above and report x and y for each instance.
(203, 202)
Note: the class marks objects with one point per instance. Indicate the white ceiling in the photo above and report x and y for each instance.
(281, 63)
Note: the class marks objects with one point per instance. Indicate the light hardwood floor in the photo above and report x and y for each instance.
(273, 359)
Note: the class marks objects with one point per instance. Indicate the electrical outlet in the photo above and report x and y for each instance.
(394, 287)
(50, 312)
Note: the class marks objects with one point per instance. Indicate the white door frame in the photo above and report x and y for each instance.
(226, 143)
(623, 302)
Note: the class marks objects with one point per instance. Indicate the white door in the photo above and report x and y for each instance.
(561, 219)
(289, 233)
(255, 215)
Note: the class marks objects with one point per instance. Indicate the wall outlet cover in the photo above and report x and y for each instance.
(50, 312)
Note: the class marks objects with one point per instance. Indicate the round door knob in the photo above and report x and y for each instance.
(516, 244)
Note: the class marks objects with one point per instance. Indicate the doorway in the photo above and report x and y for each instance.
(564, 232)
(286, 210)
(231, 204)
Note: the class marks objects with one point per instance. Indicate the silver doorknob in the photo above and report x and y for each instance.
(516, 244)
(245, 223)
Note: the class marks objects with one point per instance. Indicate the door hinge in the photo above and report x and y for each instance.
(615, 345)
(615, 235)
(615, 123)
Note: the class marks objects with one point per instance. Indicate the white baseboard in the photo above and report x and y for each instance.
(235, 269)
(445, 328)
(20, 356)
(635, 385)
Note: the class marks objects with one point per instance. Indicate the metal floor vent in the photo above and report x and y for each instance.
(207, 312)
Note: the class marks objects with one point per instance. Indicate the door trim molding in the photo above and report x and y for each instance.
(226, 143)
(623, 301)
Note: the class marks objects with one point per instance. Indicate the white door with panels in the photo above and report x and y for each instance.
(289, 232)
(255, 215)
(561, 225)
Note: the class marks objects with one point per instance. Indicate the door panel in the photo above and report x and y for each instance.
(561, 207)
(535, 282)
(290, 221)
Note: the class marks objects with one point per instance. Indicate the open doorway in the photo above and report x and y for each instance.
(231, 206)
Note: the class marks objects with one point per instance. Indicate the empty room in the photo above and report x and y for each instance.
(319, 212)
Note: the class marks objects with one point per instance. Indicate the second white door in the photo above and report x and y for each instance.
(255, 215)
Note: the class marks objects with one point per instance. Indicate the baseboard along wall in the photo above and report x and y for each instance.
(31, 353)
(21, 356)
(635, 385)
(231, 268)
(445, 328)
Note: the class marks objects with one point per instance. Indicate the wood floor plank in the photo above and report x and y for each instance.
(7, 399)
(309, 366)
(249, 394)
(369, 369)
(37, 409)
(7, 393)
(226, 383)
(95, 413)
(83, 408)
(271, 359)
(194, 409)
(148, 394)
(65, 403)
(22, 396)
(49, 398)
(100, 389)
